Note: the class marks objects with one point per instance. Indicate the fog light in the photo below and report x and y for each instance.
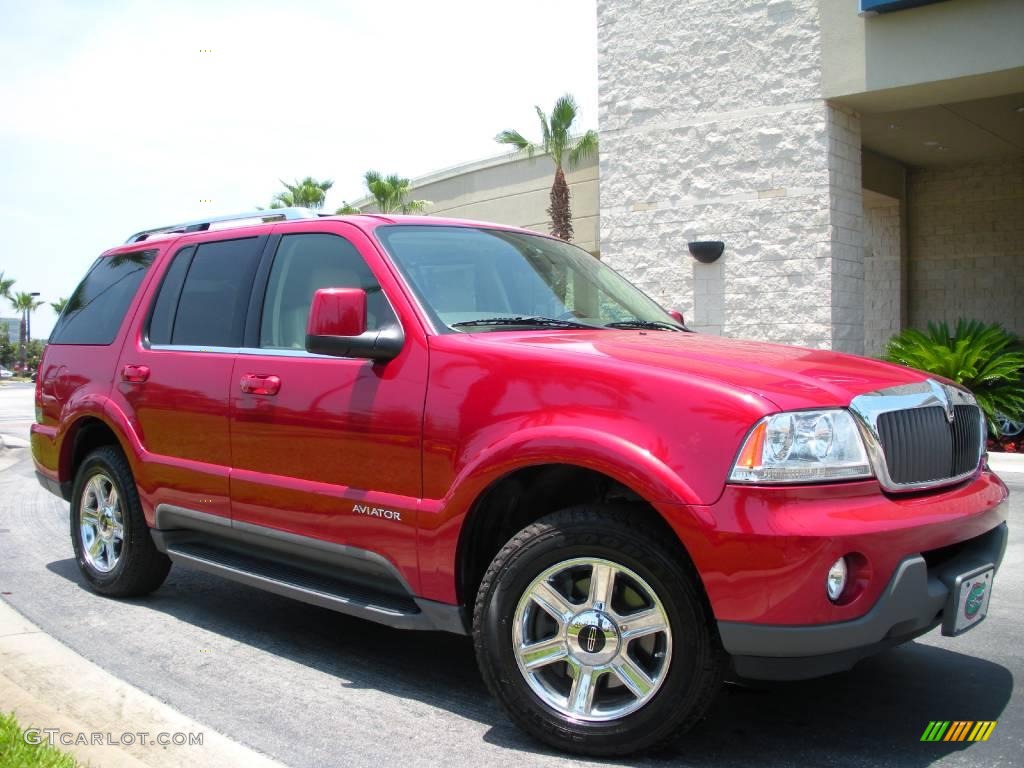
(835, 582)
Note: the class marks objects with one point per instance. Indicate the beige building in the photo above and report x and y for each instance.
(865, 171)
(511, 189)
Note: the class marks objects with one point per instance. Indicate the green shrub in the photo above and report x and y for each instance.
(987, 359)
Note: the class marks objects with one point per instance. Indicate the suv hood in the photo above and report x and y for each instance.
(790, 377)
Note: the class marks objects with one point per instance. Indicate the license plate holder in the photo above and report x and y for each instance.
(968, 600)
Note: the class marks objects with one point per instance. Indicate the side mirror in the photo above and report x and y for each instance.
(337, 327)
(676, 315)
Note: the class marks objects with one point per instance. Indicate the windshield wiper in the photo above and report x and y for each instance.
(535, 320)
(653, 325)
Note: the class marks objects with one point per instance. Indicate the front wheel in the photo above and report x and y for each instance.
(593, 634)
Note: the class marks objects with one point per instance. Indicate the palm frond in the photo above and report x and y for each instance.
(415, 206)
(517, 140)
(584, 147)
(545, 129)
(564, 114)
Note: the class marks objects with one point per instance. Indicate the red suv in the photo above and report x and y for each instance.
(466, 427)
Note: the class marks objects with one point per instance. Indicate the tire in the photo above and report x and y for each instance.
(125, 565)
(1009, 428)
(684, 660)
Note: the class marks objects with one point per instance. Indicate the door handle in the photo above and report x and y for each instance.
(135, 373)
(260, 384)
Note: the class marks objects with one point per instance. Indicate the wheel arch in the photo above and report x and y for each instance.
(523, 495)
(85, 434)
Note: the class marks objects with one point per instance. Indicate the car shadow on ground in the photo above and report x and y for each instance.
(874, 714)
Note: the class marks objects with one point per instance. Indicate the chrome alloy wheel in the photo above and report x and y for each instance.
(592, 639)
(101, 523)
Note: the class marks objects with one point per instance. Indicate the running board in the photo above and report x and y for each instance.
(305, 585)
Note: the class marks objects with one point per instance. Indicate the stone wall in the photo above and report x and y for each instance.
(882, 295)
(713, 128)
(967, 243)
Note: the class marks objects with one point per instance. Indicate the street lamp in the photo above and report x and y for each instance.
(27, 312)
(28, 320)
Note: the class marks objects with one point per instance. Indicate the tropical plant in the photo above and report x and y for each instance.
(34, 354)
(25, 303)
(8, 352)
(304, 193)
(5, 286)
(390, 193)
(558, 142)
(987, 359)
(346, 209)
(59, 304)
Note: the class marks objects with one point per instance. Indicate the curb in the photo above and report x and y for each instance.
(6, 441)
(50, 686)
(1006, 463)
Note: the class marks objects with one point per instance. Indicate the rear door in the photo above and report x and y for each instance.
(174, 374)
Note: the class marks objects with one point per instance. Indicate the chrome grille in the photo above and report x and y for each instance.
(921, 445)
(921, 435)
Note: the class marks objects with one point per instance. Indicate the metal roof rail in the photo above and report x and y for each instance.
(202, 225)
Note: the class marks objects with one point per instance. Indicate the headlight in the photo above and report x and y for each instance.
(800, 447)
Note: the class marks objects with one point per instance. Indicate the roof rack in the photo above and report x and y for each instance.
(202, 225)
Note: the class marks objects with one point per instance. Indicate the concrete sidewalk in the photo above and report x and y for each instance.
(1006, 463)
(49, 686)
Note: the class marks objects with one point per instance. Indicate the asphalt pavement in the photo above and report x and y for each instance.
(309, 687)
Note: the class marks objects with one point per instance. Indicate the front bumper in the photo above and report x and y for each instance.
(911, 604)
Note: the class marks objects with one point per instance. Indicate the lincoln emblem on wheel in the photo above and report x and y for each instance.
(592, 639)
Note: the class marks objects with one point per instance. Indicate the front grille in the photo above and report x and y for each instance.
(922, 446)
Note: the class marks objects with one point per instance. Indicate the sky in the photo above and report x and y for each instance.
(120, 116)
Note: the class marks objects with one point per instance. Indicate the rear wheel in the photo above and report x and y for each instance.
(594, 635)
(114, 548)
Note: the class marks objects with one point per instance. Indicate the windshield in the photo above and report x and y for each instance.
(509, 280)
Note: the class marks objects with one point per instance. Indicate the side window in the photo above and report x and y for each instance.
(95, 310)
(303, 264)
(161, 322)
(205, 293)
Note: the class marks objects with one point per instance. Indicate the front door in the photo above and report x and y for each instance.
(326, 447)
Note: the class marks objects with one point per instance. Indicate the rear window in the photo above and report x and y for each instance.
(205, 294)
(95, 310)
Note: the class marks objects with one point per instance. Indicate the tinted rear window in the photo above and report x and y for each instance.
(95, 310)
(215, 295)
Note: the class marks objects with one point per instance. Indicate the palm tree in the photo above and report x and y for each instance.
(557, 141)
(25, 303)
(346, 209)
(390, 193)
(5, 286)
(305, 193)
(59, 304)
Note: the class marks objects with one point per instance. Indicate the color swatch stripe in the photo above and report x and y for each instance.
(958, 730)
(935, 730)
